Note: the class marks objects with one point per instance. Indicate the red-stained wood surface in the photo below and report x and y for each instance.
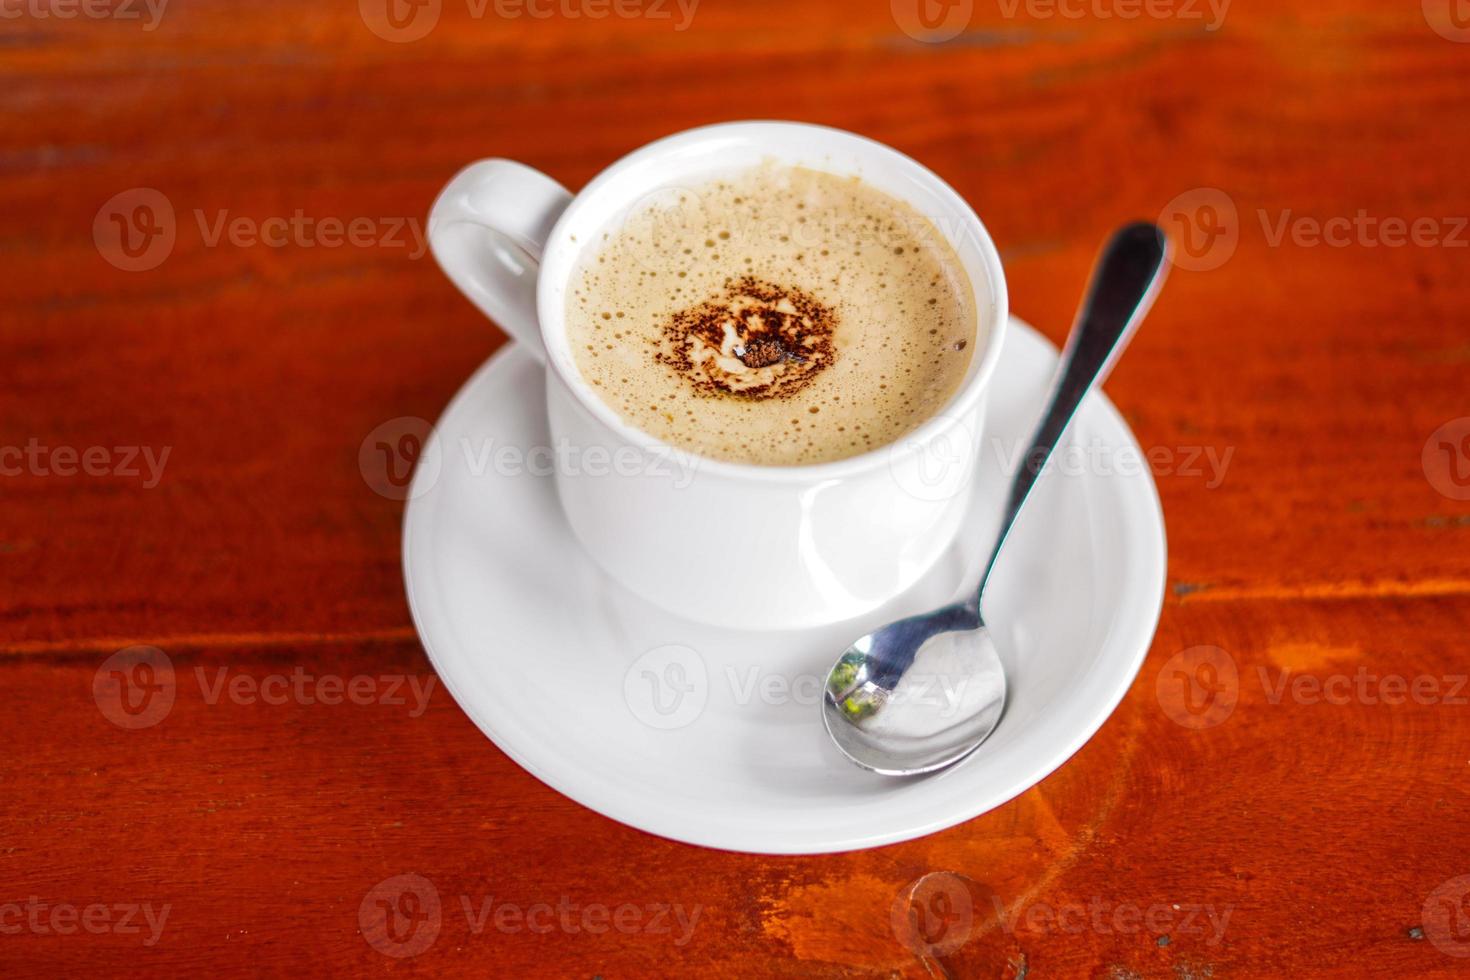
(1326, 834)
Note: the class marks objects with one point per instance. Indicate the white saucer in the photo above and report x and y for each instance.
(714, 737)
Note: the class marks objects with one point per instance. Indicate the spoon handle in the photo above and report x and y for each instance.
(1127, 277)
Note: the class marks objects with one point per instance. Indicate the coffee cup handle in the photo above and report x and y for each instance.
(487, 230)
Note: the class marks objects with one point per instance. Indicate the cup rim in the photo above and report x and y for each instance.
(936, 427)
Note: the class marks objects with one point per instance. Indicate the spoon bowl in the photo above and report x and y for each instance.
(928, 716)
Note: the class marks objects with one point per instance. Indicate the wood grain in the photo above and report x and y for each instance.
(1289, 391)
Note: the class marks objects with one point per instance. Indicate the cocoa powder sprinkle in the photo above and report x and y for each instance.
(758, 340)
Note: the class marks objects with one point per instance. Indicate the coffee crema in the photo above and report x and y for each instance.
(777, 316)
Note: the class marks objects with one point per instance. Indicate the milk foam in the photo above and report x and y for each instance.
(777, 316)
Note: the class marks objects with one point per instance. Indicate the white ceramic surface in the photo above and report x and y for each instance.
(713, 736)
(711, 540)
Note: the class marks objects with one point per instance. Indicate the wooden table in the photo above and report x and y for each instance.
(1313, 159)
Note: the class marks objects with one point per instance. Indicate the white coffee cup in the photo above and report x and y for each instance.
(728, 544)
